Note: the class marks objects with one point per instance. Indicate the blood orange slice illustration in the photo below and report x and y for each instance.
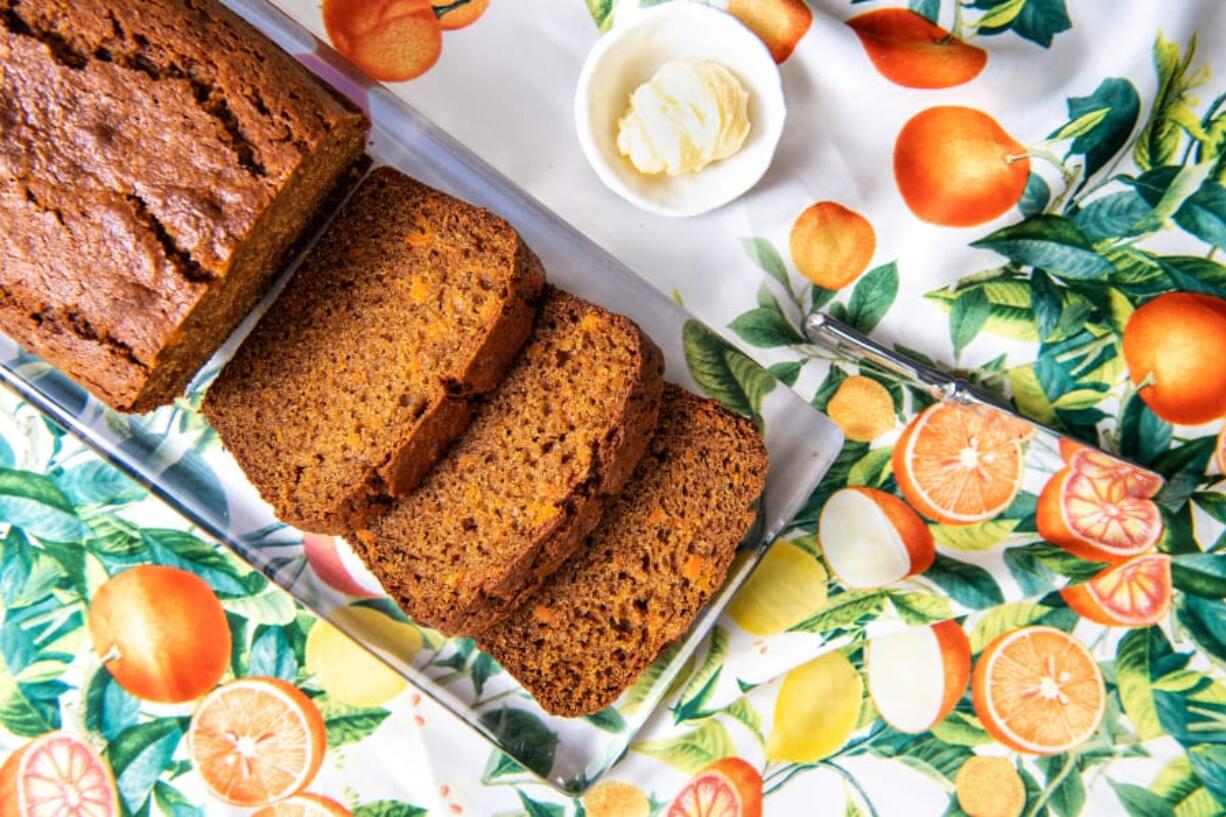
(1038, 690)
(1096, 518)
(727, 788)
(1093, 463)
(256, 740)
(960, 464)
(1136, 593)
(57, 774)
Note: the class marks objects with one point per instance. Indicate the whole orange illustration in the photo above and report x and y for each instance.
(161, 633)
(957, 167)
(831, 245)
(909, 50)
(779, 23)
(1175, 348)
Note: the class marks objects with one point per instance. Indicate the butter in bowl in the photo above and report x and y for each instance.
(679, 108)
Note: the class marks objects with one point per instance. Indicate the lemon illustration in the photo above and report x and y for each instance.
(348, 672)
(816, 710)
(788, 586)
(863, 408)
(613, 798)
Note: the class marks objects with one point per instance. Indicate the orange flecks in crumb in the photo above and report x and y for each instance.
(419, 290)
(657, 515)
(544, 614)
(365, 536)
(422, 236)
(694, 566)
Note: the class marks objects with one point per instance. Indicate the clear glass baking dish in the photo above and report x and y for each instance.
(173, 452)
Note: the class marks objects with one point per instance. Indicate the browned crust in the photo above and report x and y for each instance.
(568, 670)
(142, 216)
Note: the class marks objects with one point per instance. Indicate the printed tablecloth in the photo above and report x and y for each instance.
(1012, 189)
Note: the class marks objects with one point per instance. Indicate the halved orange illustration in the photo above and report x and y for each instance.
(960, 464)
(256, 740)
(1136, 593)
(57, 774)
(1038, 690)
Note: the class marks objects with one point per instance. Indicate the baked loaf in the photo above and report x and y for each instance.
(520, 489)
(659, 554)
(362, 372)
(158, 159)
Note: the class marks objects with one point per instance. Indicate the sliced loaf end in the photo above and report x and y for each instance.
(661, 551)
(363, 371)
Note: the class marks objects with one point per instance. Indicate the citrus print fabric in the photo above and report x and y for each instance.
(1028, 192)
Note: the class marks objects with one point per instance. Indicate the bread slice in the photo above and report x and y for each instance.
(520, 489)
(659, 554)
(364, 370)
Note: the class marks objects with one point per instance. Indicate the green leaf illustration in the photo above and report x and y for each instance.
(962, 729)
(1011, 315)
(1101, 122)
(766, 328)
(787, 373)
(1035, 197)
(871, 468)
(138, 756)
(724, 373)
(930, 9)
(1159, 140)
(692, 751)
(1143, 436)
(1209, 763)
(698, 689)
(1111, 216)
(1202, 574)
(271, 654)
(388, 808)
(180, 549)
(23, 714)
(1134, 677)
(842, 610)
(98, 483)
(524, 737)
(173, 802)
(537, 808)
(1140, 802)
(34, 503)
(1049, 242)
(829, 385)
(927, 754)
(1003, 619)
(767, 257)
(920, 608)
(967, 584)
(1178, 785)
(1036, 20)
(601, 11)
(608, 720)
(982, 536)
(967, 316)
(1194, 274)
(347, 724)
(872, 296)
(500, 764)
(1067, 793)
(108, 708)
(1205, 621)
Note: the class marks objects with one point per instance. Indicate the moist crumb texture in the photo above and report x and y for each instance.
(158, 160)
(517, 493)
(660, 552)
(357, 378)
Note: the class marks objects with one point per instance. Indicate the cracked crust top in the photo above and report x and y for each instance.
(516, 494)
(146, 147)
